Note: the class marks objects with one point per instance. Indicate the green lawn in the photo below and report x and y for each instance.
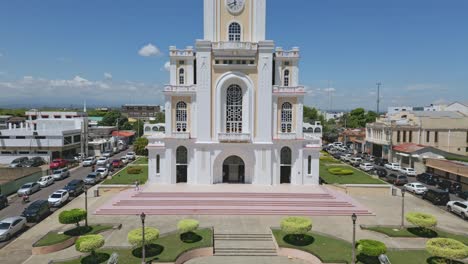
(358, 177)
(167, 249)
(141, 161)
(124, 178)
(53, 238)
(415, 232)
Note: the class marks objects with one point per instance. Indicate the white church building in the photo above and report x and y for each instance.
(234, 107)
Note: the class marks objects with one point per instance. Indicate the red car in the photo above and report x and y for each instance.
(58, 163)
(117, 163)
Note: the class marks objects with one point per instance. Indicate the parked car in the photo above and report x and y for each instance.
(463, 195)
(427, 179)
(381, 172)
(345, 157)
(370, 158)
(103, 172)
(408, 171)
(58, 198)
(107, 154)
(28, 188)
(355, 161)
(61, 174)
(11, 226)
(58, 163)
(459, 208)
(118, 163)
(3, 201)
(415, 187)
(36, 211)
(393, 166)
(131, 155)
(444, 185)
(45, 181)
(397, 179)
(92, 178)
(437, 197)
(34, 162)
(78, 157)
(455, 188)
(75, 187)
(380, 162)
(366, 166)
(102, 161)
(90, 161)
(18, 162)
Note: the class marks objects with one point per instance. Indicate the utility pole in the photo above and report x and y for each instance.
(378, 97)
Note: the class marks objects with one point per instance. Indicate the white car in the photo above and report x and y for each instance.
(89, 162)
(458, 207)
(102, 161)
(415, 187)
(45, 181)
(58, 198)
(103, 171)
(366, 166)
(345, 157)
(10, 226)
(107, 154)
(355, 161)
(408, 171)
(131, 155)
(124, 160)
(393, 166)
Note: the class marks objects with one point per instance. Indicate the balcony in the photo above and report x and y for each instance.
(180, 89)
(288, 90)
(181, 135)
(280, 53)
(177, 53)
(234, 48)
(234, 137)
(287, 136)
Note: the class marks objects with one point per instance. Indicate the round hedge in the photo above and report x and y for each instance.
(421, 219)
(371, 248)
(340, 171)
(73, 216)
(135, 236)
(187, 225)
(89, 243)
(447, 248)
(295, 225)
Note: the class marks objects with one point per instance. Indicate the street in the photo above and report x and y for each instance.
(16, 206)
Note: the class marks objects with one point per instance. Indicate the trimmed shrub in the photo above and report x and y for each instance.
(447, 248)
(89, 243)
(135, 236)
(421, 219)
(73, 216)
(371, 248)
(340, 171)
(187, 225)
(296, 226)
(134, 170)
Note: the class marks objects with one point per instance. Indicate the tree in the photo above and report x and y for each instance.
(296, 226)
(110, 119)
(159, 118)
(186, 228)
(89, 244)
(135, 237)
(73, 216)
(126, 126)
(138, 127)
(139, 146)
(422, 220)
(447, 248)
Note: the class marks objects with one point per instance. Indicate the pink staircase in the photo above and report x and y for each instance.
(326, 203)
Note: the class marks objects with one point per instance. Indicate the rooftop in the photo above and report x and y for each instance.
(409, 147)
(438, 114)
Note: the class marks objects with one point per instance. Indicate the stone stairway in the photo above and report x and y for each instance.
(244, 245)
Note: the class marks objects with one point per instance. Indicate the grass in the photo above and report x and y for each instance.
(167, 249)
(416, 232)
(124, 178)
(141, 161)
(358, 177)
(53, 238)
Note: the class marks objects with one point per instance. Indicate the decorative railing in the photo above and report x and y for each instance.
(180, 88)
(181, 53)
(287, 136)
(234, 137)
(288, 89)
(222, 45)
(181, 135)
(294, 53)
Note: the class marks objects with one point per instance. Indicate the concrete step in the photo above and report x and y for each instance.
(227, 194)
(247, 254)
(247, 244)
(232, 203)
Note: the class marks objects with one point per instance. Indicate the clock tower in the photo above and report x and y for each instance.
(244, 16)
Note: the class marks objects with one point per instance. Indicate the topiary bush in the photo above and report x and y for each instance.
(422, 220)
(134, 170)
(340, 171)
(296, 226)
(186, 228)
(371, 248)
(73, 216)
(447, 248)
(135, 236)
(89, 243)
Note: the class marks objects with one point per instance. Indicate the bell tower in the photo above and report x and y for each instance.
(234, 20)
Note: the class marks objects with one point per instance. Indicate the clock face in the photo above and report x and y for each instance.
(235, 6)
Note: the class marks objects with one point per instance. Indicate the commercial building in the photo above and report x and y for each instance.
(450, 170)
(4, 121)
(142, 112)
(453, 107)
(355, 138)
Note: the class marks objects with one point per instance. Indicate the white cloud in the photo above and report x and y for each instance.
(422, 87)
(329, 90)
(149, 50)
(107, 76)
(167, 66)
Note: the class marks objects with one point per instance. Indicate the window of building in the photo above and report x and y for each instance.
(77, 138)
(436, 136)
(286, 78)
(309, 165)
(404, 136)
(181, 117)
(182, 62)
(158, 164)
(20, 137)
(410, 136)
(181, 76)
(286, 156)
(398, 136)
(67, 140)
(428, 136)
(235, 32)
(286, 63)
(286, 118)
(234, 109)
(39, 137)
(466, 137)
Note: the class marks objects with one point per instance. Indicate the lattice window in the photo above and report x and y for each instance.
(286, 118)
(235, 32)
(234, 109)
(181, 76)
(286, 156)
(181, 156)
(286, 78)
(181, 117)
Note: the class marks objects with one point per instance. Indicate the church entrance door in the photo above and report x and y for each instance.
(233, 170)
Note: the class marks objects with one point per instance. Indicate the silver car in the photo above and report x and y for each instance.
(60, 174)
(10, 226)
(29, 188)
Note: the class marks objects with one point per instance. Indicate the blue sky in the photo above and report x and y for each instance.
(65, 52)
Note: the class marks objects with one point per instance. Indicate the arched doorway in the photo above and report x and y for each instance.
(285, 164)
(181, 164)
(233, 170)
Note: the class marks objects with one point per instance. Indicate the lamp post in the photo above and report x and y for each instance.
(354, 218)
(142, 217)
(86, 204)
(402, 207)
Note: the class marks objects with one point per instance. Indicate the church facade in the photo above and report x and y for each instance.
(234, 107)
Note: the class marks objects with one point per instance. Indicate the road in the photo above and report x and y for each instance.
(16, 206)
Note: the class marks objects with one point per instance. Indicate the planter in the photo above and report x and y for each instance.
(54, 248)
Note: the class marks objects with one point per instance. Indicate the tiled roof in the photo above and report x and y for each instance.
(408, 147)
(123, 134)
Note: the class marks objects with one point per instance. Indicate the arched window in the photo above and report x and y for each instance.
(286, 118)
(286, 78)
(309, 165)
(234, 109)
(181, 117)
(147, 129)
(234, 32)
(155, 129)
(181, 156)
(181, 76)
(318, 130)
(162, 129)
(286, 158)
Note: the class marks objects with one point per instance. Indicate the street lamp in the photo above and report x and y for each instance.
(403, 190)
(142, 217)
(354, 218)
(86, 204)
